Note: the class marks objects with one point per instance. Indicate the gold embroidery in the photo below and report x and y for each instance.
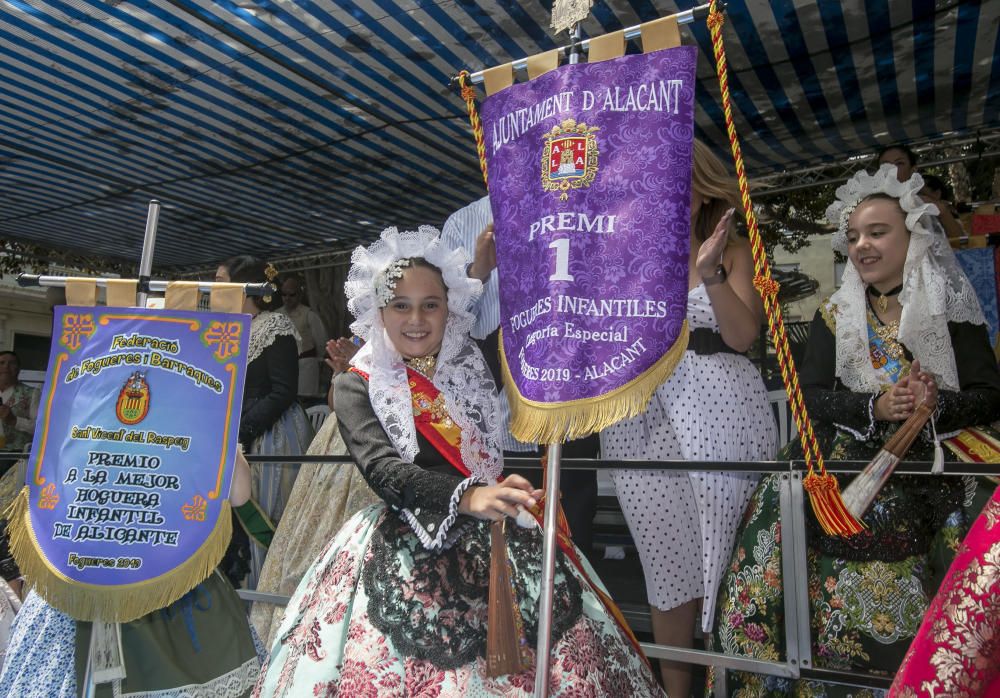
(423, 364)
(964, 633)
(436, 407)
(888, 333)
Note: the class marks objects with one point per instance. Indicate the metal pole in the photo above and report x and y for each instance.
(548, 572)
(551, 521)
(153, 286)
(148, 243)
(685, 17)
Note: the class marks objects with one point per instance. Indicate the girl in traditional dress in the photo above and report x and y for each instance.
(271, 421)
(712, 408)
(200, 645)
(905, 323)
(397, 604)
(324, 497)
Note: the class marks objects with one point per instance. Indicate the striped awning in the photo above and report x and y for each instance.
(287, 128)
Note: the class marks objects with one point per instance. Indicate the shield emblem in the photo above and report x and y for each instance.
(569, 157)
(133, 400)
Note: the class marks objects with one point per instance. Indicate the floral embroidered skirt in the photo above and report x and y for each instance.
(378, 615)
(867, 595)
(324, 497)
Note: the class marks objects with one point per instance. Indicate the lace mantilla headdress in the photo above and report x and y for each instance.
(935, 289)
(461, 373)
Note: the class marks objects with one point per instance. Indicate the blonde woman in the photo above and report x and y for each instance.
(712, 408)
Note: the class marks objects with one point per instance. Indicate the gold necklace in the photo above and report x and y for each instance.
(882, 299)
(423, 364)
(889, 334)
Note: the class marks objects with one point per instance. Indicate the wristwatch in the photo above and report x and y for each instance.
(719, 277)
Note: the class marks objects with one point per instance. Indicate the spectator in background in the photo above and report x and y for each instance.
(18, 405)
(312, 335)
(271, 421)
(934, 191)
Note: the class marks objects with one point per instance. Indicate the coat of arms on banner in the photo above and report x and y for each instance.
(569, 157)
(133, 400)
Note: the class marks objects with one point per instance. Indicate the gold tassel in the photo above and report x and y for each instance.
(111, 604)
(859, 495)
(506, 647)
(543, 422)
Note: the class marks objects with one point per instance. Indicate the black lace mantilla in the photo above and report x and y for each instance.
(904, 518)
(435, 608)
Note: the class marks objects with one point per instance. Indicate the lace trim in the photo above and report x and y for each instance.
(441, 537)
(234, 683)
(868, 433)
(433, 605)
(461, 375)
(264, 327)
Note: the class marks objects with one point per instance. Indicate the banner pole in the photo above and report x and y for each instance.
(148, 243)
(548, 571)
(154, 285)
(551, 518)
(695, 14)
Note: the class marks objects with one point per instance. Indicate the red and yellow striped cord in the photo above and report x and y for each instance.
(823, 489)
(469, 95)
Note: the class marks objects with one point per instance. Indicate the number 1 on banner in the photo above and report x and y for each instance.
(562, 260)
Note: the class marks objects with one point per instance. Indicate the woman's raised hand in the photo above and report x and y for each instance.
(494, 502)
(339, 353)
(710, 252)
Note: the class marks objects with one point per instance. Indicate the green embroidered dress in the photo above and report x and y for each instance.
(868, 593)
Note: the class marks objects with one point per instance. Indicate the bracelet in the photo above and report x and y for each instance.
(719, 277)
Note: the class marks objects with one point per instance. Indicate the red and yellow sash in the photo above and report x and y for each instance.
(975, 445)
(432, 420)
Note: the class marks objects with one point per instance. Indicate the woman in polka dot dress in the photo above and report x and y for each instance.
(712, 408)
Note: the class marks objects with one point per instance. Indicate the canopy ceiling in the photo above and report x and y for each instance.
(287, 128)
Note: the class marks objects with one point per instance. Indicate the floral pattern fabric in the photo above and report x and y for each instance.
(979, 265)
(330, 642)
(957, 650)
(324, 496)
(866, 599)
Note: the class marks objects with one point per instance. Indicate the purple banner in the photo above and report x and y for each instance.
(133, 451)
(590, 185)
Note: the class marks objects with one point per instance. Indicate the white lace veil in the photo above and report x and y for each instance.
(460, 374)
(935, 289)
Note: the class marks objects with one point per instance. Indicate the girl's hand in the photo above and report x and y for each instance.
(710, 252)
(494, 502)
(897, 403)
(923, 385)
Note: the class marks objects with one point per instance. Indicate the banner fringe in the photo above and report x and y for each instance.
(112, 604)
(556, 422)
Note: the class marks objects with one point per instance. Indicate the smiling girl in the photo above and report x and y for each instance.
(904, 324)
